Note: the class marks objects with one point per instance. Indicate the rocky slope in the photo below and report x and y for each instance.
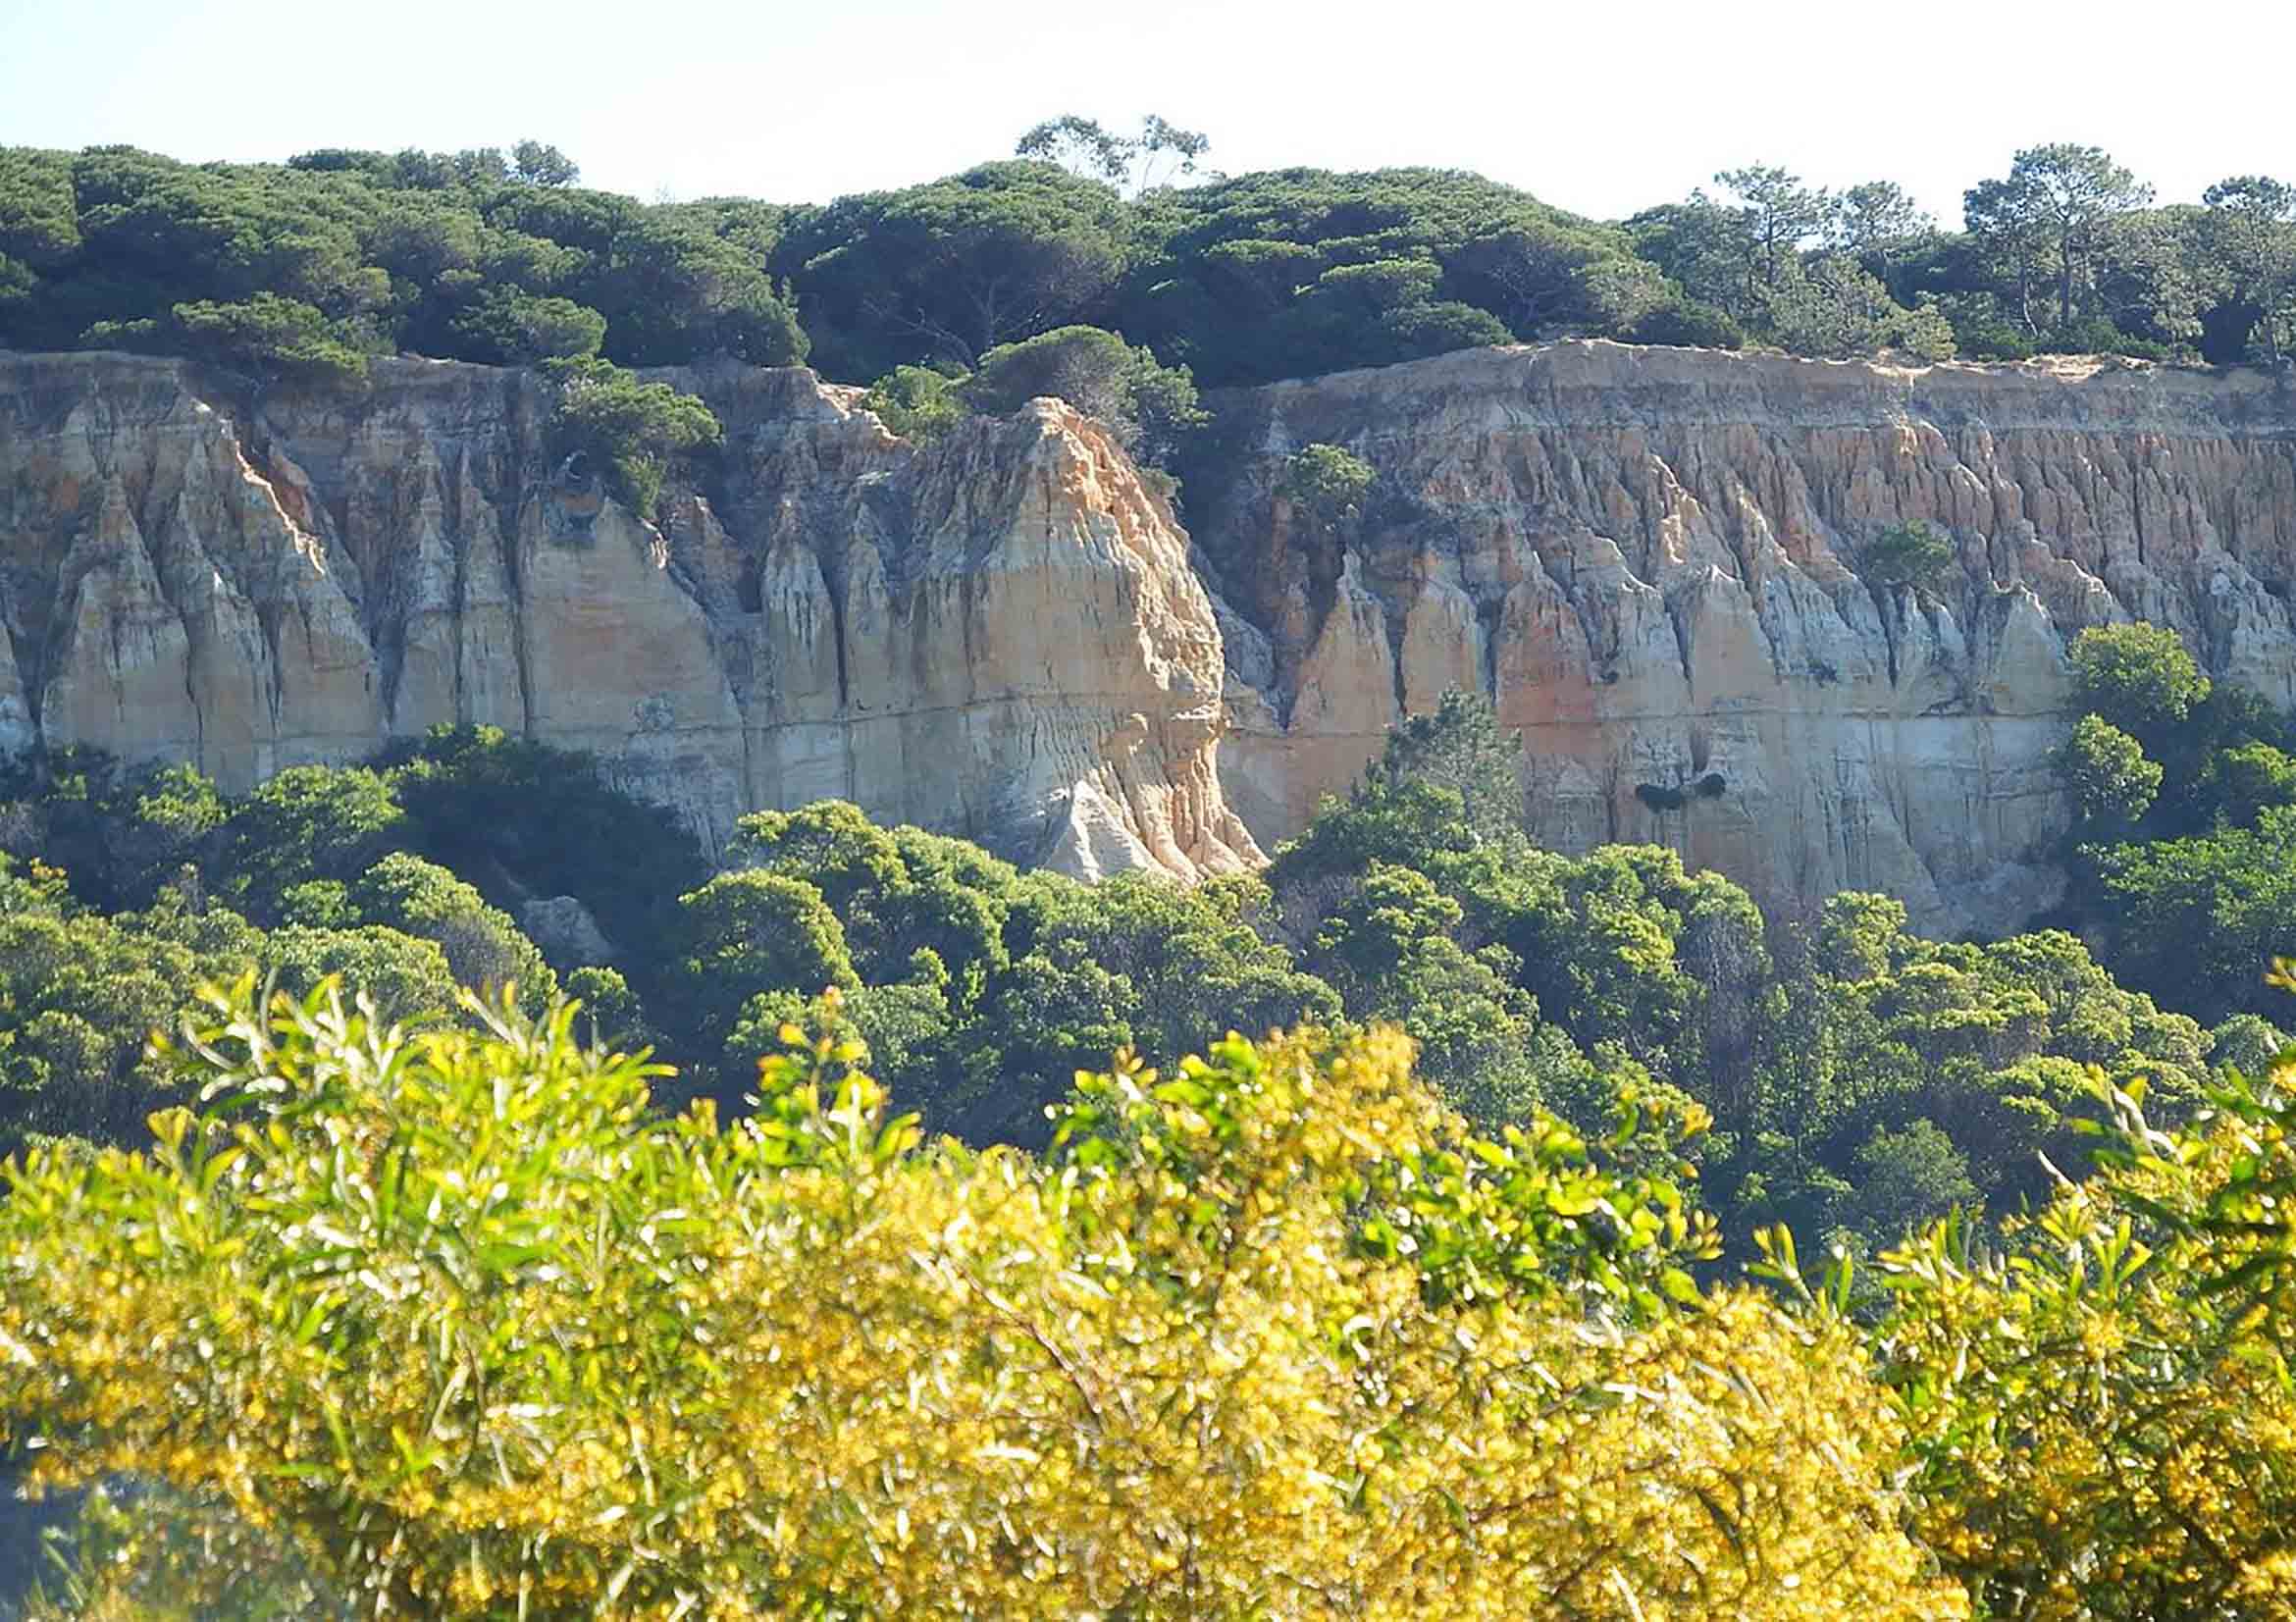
(1000, 636)
(1649, 558)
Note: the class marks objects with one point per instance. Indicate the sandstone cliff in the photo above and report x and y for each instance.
(999, 636)
(1649, 558)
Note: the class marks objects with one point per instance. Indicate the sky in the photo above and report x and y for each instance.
(1599, 109)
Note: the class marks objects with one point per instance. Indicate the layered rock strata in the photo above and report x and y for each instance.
(1649, 557)
(999, 636)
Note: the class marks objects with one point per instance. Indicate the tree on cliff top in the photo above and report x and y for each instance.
(1149, 404)
(949, 271)
(1137, 163)
(630, 427)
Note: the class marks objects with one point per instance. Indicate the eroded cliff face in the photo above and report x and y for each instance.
(998, 636)
(1648, 557)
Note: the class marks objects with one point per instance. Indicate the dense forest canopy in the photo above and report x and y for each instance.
(313, 265)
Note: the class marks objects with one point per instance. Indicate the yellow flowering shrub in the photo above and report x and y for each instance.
(2101, 1404)
(455, 1323)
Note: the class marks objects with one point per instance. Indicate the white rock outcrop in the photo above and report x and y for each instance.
(1649, 559)
(997, 635)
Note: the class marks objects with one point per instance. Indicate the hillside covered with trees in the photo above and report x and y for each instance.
(1529, 1093)
(314, 264)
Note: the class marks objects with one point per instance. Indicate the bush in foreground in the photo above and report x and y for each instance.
(452, 1316)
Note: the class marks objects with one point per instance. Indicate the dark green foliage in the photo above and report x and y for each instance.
(948, 271)
(304, 271)
(1325, 485)
(917, 402)
(520, 819)
(517, 328)
(625, 429)
(271, 336)
(308, 822)
(2141, 678)
(1301, 271)
(1908, 554)
(1150, 405)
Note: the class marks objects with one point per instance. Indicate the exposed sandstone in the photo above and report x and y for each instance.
(1649, 558)
(997, 635)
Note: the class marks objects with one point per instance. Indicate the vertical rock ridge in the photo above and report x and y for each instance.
(1671, 538)
(998, 634)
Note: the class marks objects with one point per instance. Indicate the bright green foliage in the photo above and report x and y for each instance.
(1327, 486)
(307, 822)
(476, 1334)
(1459, 747)
(1389, 950)
(406, 976)
(1150, 405)
(2199, 920)
(897, 890)
(2139, 677)
(753, 931)
(2111, 781)
(1989, 1045)
(1196, 963)
(483, 946)
(917, 402)
(628, 429)
(2101, 1409)
(610, 1011)
(2251, 779)
(81, 991)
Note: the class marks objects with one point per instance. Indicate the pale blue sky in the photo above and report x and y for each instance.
(1598, 108)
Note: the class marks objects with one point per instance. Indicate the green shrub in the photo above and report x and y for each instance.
(629, 427)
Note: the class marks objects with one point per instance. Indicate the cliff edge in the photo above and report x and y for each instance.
(997, 635)
(1649, 557)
